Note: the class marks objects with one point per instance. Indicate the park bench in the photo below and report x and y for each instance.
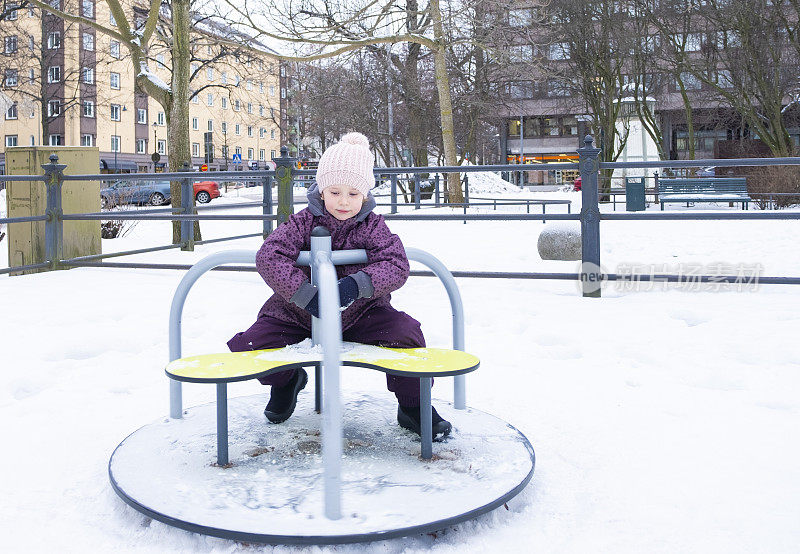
(704, 189)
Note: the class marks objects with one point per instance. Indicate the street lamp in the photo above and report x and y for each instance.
(119, 142)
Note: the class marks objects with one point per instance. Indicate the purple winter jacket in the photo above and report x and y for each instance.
(386, 270)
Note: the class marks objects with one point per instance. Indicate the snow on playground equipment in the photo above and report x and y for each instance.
(265, 485)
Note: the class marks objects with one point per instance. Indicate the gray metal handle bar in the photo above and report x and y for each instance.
(337, 257)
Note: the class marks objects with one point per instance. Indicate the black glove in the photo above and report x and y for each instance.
(348, 293)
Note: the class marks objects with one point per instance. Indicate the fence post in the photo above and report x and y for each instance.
(187, 225)
(436, 190)
(54, 226)
(655, 184)
(393, 180)
(284, 174)
(591, 276)
(266, 209)
(416, 191)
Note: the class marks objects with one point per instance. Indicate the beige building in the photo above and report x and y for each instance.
(67, 84)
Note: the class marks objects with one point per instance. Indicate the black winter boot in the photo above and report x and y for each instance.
(409, 418)
(282, 400)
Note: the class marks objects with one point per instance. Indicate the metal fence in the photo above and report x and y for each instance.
(285, 175)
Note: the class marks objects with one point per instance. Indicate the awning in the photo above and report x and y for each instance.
(121, 165)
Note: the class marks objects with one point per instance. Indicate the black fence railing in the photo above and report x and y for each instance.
(433, 187)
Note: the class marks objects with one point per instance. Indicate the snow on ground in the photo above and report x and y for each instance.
(663, 420)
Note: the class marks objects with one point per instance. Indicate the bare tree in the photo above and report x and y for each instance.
(330, 28)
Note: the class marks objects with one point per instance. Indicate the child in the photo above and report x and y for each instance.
(341, 202)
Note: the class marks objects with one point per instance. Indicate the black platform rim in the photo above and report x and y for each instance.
(325, 539)
(298, 365)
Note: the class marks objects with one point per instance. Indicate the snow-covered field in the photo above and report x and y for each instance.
(664, 420)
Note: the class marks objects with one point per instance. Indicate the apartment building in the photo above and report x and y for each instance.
(688, 60)
(64, 83)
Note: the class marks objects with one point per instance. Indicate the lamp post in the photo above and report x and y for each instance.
(119, 142)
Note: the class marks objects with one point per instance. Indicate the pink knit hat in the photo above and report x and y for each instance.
(348, 162)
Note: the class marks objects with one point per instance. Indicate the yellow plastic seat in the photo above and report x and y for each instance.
(240, 366)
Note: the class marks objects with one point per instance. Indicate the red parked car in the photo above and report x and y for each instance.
(576, 184)
(205, 191)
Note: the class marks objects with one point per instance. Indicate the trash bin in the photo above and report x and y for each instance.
(634, 194)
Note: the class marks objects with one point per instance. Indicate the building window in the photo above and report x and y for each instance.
(272, 113)
(238, 129)
(87, 9)
(111, 19)
(236, 105)
(210, 99)
(31, 76)
(88, 108)
(162, 147)
(272, 90)
(54, 74)
(53, 109)
(250, 152)
(160, 118)
(262, 132)
(272, 154)
(11, 78)
(249, 130)
(224, 102)
(11, 9)
(196, 149)
(224, 152)
(238, 150)
(519, 89)
(114, 80)
(249, 107)
(10, 45)
(11, 140)
(261, 87)
(141, 146)
(114, 49)
(283, 92)
(116, 112)
(88, 42)
(115, 142)
(236, 80)
(160, 60)
(224, 128)
(88, 75)
(261, 110)
(54, 41)
(11, 112)
(520, 53)
(558, 51)
(195, 97)
(87, 140)
(249, 84)
(195, 124)
(262, 154)
(210, 73)
(520, 17)
(141, 116)
(570, 126)
(210, 124)
(224, 78)
(56, 140)
(690, 82)
(33, 140)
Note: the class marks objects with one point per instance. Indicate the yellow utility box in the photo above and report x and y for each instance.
(26, 241)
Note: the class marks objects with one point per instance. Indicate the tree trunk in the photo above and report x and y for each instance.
(445, 105)
(177, 110)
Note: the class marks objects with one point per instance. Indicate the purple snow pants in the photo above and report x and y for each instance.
(380, 326)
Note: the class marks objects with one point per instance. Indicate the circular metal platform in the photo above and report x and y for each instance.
(272, 490)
